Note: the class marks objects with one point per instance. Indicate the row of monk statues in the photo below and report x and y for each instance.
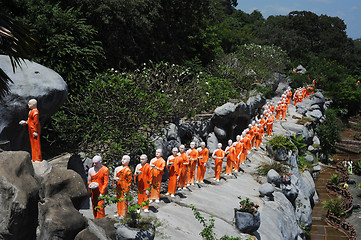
(185, 167)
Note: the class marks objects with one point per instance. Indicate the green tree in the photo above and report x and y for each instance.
(66, 43)
(329, 132)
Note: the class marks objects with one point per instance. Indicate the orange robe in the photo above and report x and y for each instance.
(157, 178)
(219, 154)
(193, 157)
(284, 111)
(102, 178)
(183, 170)
(269, 126)
(272, 108)
(289, 96)
(295, 98)
(255, 130)
(203, 156)
(259, 136)
(246, 146)
(251, 135)
(278, 111)
(144, 181)
(123, 187)
(34, 126)
(173, 173)
(231, 158)
(239, 150)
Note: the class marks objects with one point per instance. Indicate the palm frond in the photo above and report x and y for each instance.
(16, 42)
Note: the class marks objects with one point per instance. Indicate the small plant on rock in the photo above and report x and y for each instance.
(282, 142)
(247, 206)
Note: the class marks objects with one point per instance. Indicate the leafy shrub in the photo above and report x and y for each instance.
(247, 206)
(117, 113)
(299, 80)
(207, 232)
(335, 179)
(329, 132)
(334, 206)
(282, 141)
(282, 169)
(299, 142)
(303, 164)
(357, 167)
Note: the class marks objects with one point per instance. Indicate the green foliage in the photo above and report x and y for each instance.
(207, 232)
(280, 141)
(265, 167)
(117, 113)
(303, 164)
(334, 206)
(282, 169)
(66, 43)
(329, 132)
(335, 179)
(300, 144)
(17, 43)
(299, 80)
(357, 167)
(247, 206)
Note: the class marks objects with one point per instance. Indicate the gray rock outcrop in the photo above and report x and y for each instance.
(18, 197)
(31, 80)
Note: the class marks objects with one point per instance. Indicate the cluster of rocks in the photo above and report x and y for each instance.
(226, 122)
(41, 200)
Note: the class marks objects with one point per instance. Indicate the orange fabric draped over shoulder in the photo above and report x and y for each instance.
(123, 187)
(102, 178)
(144, 183)
(157, 178)
(203, 156)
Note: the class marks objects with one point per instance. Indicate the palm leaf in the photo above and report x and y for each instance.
(16, 42)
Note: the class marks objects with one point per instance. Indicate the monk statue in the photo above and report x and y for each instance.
(218, 155)
(157, 165)
(34, 130)
(174, 164)
(203, 155)
(98, 178)
(143, 175)
(123, 179)
(193, 158)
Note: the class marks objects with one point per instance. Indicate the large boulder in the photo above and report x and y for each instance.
(63, 182)
(58, 219)
(99, 229)
(31, 80)
(223, 114)
(301, 108)
(318, 99)
(18, 196)
(315, 115)
(273, 177)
